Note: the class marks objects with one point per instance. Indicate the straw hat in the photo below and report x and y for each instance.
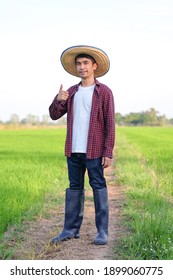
(68, 59)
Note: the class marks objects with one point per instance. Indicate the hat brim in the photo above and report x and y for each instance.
(68, 59)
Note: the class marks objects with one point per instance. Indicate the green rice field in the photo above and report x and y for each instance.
(144, 165)
(32, 166)
(33, 173)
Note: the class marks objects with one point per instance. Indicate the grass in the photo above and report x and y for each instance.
(33, 176)
(144, 158)
(32, 165)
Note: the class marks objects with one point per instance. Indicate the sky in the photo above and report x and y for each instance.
(137, 35)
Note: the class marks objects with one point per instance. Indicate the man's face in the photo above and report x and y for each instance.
(85, 67)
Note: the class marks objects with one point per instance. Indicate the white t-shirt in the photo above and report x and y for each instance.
(81, 118)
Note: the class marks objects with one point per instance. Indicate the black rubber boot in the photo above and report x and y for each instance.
(74, 207)
(101, 216)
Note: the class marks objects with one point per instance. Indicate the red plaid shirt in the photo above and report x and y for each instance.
(101, 135)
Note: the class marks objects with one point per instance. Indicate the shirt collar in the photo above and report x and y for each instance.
(76, 87)
(96, 83)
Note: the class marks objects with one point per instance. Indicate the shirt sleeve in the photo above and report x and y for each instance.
(57, 109)
(109, 116)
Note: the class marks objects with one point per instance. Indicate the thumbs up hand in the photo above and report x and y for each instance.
(62, 95)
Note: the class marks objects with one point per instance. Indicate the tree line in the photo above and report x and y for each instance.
(33, 120)
(150, 117)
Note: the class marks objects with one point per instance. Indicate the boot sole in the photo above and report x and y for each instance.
(54, 242)
(100, 243)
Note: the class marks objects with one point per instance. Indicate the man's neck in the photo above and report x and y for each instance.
(87, 82)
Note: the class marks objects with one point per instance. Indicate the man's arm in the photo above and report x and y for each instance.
(59, 105)
(109, 115)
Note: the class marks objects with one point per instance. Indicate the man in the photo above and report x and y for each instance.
(90, 137)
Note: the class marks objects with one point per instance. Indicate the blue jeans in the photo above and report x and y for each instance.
(77, 165)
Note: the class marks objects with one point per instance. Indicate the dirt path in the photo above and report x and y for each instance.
(35, 244)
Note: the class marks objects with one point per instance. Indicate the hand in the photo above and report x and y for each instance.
(62, 95)
(106, 162)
